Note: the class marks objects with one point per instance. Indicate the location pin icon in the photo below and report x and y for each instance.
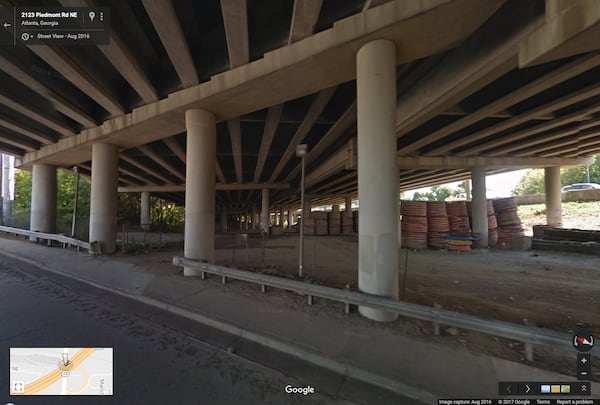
(65, 357)
(92, 15)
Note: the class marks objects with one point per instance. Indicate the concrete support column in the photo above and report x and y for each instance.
(145, 211)
(6, 190)
(281, 216)
(307, 207)
(200, 185)
(467, 190)
(553, 196)
(377, 174)
(43, 199)
(265, 214)
(104, 197)
(479, 217)
(224, 216)
(246, 220)
(254, 218)
(348, 206)
(290, 218)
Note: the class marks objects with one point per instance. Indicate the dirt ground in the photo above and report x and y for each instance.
(557, 291)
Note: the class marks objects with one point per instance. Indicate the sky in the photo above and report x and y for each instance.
(498, 185)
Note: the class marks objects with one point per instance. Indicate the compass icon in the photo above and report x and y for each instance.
(583, 341)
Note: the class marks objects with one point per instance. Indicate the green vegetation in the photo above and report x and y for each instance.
(439, 193)
(164, 215)
(585, 209)
(533, 181)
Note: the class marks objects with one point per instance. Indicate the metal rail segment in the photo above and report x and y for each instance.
(65, 240)
(523, 333)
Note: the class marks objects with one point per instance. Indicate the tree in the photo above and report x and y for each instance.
(437, 193)
(531, 183)
(579, 174)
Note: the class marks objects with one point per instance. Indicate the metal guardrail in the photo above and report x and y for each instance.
(530, 335)
(65, 240)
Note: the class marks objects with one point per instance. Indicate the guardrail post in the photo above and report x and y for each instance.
(528, 346)
(436, 325)
(223, 280)
(310, 300)
(263, 288)
(203, 275)
(346, 308)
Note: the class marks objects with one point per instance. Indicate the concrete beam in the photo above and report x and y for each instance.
(571, 28)
(24, 131)
(273, 117)
(457, 162)
(9, 141)
(167, 26)
(560, 75)
(144, 168)
(176, 148)
(61, 104)
(311, 117)
(35, 116)
(485, 56)
(235, 19)
(173, 188)
(344, 159)
(79, 77)
(317, 62)
(117, 53)
(145, 149)
(304, 18)
(235, 133)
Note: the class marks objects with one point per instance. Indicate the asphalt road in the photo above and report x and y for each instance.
(158, 358)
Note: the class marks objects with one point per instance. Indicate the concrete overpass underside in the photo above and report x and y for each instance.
(204, 103)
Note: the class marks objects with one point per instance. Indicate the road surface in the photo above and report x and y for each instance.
(158, 358)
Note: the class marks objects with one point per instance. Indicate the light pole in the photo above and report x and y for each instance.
(75, 200)
(301, 151)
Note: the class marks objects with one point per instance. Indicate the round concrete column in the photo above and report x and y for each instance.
(281, 216)
(200, 185)
(265, 218)
(43, 199)
(553, 196)
(348, 206)
(224, 220)
(479, 208)
(103, 198)
(377, 174)
(145, 211)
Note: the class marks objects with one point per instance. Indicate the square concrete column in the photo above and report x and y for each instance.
(200, 186)
(553, 196)
(145, 211)
(43, 199)
(479, 216)
(265, 214)
(377, 174)
(104, 197)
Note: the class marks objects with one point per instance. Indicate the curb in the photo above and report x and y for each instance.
(310, 356)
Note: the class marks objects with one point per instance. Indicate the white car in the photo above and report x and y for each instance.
(580, 186)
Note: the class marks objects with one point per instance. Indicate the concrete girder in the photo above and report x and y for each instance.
(59, 103)
(431, 25)
(79, 77)
(578, 66)
(478, 61)
(273, 117)
(458, 162)
(311, 117)
(571, 28)
(35, 116)
(144, 168)
(175, 147)
(117, 53)
(304, 18)
(171, 35)
(145, 149)
(235, 133)
(235, 19)
(24, 131)
(219, 186)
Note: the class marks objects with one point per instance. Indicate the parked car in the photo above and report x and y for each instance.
(580, 186)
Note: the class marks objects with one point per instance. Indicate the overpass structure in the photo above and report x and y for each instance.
(204, 103)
